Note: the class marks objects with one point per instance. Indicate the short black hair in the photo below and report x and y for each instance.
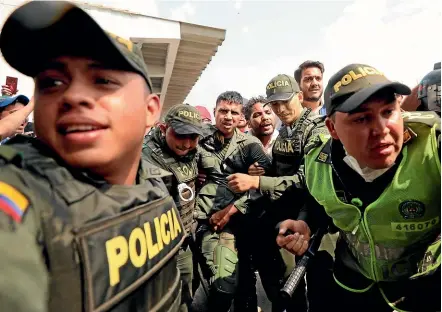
(305, 65)
(231, 97)
(248, 107)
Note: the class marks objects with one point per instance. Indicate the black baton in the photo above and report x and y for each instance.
(298, 273)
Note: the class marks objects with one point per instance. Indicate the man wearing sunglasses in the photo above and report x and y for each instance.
(172, 145)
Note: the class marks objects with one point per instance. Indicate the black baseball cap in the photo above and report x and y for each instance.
(184, 119)
(281, 88)
(60, 28)
(354, 84)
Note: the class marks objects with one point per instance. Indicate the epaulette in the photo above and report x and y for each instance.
(241, 136)
(10, 155)
(315, 142)
(426, 117)
(316, 118)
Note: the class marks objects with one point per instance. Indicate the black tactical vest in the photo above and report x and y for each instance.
(288, 149)
(103, 252)
(182, 187)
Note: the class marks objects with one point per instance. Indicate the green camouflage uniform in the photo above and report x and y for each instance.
(69, 240)
(71, 248)
(218, 160)
(181, 184)
(286, 201)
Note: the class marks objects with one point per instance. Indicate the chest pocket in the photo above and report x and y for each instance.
(286, 147)
(208, 161)
(183, 172)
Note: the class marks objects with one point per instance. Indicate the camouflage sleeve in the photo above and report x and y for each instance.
(242, 203)
(24, 278)
(275, 187)
(311, 139)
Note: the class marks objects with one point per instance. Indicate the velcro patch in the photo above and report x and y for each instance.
(12, 202)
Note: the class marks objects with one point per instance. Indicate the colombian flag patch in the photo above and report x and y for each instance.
(12, 202)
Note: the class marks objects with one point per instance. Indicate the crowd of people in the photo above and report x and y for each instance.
(109, 208)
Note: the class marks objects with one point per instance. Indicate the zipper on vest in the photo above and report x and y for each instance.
(372, 248)
(76, 246)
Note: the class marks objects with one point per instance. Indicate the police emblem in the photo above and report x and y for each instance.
(322, 157)
(412, 209)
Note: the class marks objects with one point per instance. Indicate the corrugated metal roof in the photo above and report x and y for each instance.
(197, 47)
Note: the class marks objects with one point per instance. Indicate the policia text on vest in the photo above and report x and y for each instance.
(143, 244)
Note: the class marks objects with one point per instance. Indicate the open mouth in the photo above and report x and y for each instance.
(266, 126)
(384, 148)
(80, 130)
(68, 129)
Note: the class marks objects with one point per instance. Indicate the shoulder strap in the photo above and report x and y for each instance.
(10, 155)
(426, 117)
(60, 178)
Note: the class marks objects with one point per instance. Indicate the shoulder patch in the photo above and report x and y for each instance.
(153, 171)
(13, 202)
(312, 143)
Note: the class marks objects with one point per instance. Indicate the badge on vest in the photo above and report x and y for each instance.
(12, 202)
(412, 209)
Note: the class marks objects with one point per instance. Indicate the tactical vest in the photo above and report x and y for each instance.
(183, 186)
(288, 149)
(101, 256)
(389, 238)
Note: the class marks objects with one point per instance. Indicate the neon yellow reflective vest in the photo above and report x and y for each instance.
(383, 238)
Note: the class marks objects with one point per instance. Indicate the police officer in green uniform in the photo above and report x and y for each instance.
(221, 212)
(85, 224)
(299, 134)
(429, 89)
(378, 180)
(172, 146)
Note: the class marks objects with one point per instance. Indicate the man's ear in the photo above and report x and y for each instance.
(153, 107)
(300, 96)
(331, 128)
(163, 127)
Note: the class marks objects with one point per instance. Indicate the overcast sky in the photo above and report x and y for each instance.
(266, 38)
